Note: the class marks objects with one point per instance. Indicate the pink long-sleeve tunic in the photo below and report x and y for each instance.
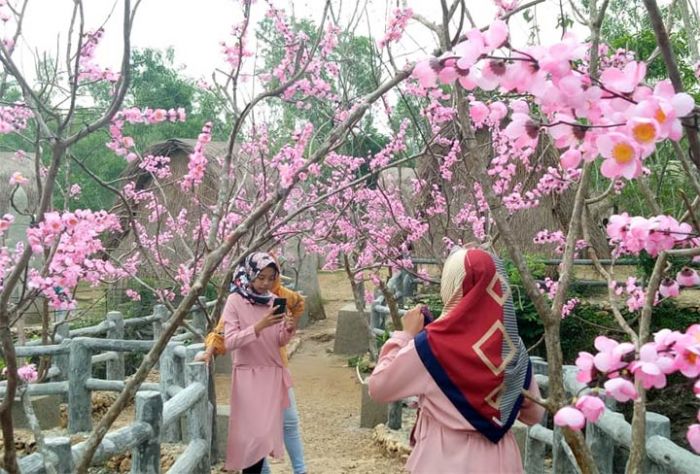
(445, 441)
(259, 384)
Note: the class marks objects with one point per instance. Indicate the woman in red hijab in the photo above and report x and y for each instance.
(468, 369)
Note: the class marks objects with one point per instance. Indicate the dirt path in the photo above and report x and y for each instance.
(328, 397)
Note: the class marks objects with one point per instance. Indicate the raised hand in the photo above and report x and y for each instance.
(270, 319)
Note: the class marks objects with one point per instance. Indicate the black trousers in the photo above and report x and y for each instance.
(255, 468)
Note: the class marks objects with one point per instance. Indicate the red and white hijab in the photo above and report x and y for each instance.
(473, 351)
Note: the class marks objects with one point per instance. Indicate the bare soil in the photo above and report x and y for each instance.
(328, 398)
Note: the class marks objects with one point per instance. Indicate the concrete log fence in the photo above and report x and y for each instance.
(176, 409)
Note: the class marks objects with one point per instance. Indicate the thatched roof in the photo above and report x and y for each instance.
(178, 150)
(553, 213)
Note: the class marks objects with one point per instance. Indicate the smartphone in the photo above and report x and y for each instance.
(427, 316)
(281, 303)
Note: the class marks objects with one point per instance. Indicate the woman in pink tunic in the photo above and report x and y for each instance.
(259, 380)
(468, 369)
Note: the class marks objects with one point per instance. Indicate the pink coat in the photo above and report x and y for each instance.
(259, 384)
(445, 441)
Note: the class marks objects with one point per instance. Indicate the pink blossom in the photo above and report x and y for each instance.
(687, 350)
(693, 437)
(622, 156)
(618, 225)
(53, 222)
(132, 294)
(648, 367)
(609, 359)
(74, 191)
(591, 407)
(6, 221)
(688, 277)
(28, 373)
(621, 389)
(478, 113)
(669, 288)
(396, 26)
(570, 158)
(625, 80)
(666, 339)
(571, 417)
(522, 130)
(17, 179)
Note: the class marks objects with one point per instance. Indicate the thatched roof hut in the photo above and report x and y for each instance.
(195, 203)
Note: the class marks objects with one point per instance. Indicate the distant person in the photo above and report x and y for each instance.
(262, 401)
(468, 369)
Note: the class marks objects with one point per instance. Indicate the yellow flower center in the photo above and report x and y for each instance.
(660, 116)
(623, 153)
(644, 132)
(691, 357)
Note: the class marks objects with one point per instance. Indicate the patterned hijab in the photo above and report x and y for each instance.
(473, 352)
(249, 271)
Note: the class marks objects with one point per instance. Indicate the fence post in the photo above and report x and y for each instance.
(198, 422)
(656, 425)
(395, 415)
(79, 402)
(61, 449)
(409, 285)
(115, 367)
(62, 333)
(534, 458)
(168, 377)
(145, 458)
(561, 463)
(162, 315)
(600, 443)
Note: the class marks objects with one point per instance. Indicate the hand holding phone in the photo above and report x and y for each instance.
(427, 315)
(280, 304)
(270, 319)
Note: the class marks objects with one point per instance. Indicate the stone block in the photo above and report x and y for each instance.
(371, 413)
(303, 319)
(46, 409)
(350, 332)
(222, 417)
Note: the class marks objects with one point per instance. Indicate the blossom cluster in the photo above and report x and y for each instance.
(74, 239)
(631, 235)
(616, 117)
(396, 26)
(14, 118)
(88, 69)
(617, 367)
(122, 145)
(197, 164)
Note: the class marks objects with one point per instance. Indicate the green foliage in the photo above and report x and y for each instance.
(627, 26)
(362, 362)
(156, 83)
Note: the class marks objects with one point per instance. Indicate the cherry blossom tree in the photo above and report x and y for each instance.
(596, 109)
(487, 107)
(254, 181)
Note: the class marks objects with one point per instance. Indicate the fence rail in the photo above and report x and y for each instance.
(176, 409)
(609, 438)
